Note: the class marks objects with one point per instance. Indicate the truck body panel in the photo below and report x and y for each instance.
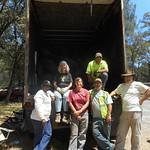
(73, 31)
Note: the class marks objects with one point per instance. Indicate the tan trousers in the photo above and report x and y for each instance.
(127, 120)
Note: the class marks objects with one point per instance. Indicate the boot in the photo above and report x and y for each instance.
(58, 118)
(65, 118)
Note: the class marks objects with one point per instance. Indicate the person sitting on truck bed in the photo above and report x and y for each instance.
(101, 106)
(62, 84)
(97, 68)
(40, 116)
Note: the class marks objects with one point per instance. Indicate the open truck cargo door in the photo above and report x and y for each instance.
(72, 30)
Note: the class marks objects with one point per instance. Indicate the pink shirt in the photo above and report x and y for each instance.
(78, 98)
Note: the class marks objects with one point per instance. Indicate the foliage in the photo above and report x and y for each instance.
(137, 41)
(12, 39)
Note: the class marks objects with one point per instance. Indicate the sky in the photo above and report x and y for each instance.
(142, 6)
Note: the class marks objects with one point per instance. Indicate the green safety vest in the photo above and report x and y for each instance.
(102, 102)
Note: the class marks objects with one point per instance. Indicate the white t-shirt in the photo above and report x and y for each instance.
(42, 105)
(131, 94)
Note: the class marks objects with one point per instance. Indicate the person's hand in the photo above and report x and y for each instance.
(79, 117)
(43, 122)
(77, 114)
(140, 101)
(64, 90)
(108, 119)
(58, 89)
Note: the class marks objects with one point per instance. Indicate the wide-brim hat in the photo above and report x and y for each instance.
(128, 73)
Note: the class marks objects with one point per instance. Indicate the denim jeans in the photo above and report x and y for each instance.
(104, 78)
(61, 99)
(101, 133)
(42, 134)
(78, 132)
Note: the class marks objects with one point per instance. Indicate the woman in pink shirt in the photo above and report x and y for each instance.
(78, 100)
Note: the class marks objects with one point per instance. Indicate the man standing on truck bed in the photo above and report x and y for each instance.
(97, 68)
(133, 94)
(101, 105)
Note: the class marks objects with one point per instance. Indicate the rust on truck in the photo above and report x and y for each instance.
(72, 30)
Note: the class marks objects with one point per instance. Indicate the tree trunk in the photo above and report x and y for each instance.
(9, 92)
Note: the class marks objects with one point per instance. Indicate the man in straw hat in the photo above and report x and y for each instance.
(133, 94)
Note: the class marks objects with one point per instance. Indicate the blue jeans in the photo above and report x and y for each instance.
(101, 133)
(104, 78)
(61, 99)
(42, 134)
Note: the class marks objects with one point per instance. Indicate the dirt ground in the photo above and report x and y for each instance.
(23, 141)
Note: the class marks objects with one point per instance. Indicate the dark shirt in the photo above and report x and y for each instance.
(63, 80)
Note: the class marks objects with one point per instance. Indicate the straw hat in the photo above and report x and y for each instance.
(128, 73)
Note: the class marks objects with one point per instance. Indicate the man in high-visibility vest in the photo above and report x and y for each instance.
(101, 106)
(97, 68)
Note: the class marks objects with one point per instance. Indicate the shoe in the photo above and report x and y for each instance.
(58, 118)
(65, 119)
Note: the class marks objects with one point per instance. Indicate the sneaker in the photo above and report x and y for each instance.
(65, 119)
(58, 118)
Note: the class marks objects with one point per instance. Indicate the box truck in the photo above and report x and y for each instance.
(72, 30)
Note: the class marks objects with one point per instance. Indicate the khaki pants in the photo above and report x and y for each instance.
(127, 120)
(78, 132)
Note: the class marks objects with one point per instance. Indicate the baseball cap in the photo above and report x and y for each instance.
(46, 83)
(98, 55)
(98, 80)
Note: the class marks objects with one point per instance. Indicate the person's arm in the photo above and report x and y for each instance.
(103, 70)
(68, 87)
(89, 73)
(113, 93)
(145, 96)
(85, 106)
(69, 99)
(38, 104)
(109, 106)
(104, 67)
(72, 107)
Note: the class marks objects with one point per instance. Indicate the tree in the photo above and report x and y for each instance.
(130, 20)
(12, 39)
(137, 41)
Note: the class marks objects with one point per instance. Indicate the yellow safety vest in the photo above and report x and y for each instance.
(102, 102)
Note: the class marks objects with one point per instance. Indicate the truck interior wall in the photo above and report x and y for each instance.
(113, 45)
(34, 45)
(77, 54)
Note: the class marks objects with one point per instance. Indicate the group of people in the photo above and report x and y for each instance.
(73, 96)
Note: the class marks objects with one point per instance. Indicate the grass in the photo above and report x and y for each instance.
(7, 109)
